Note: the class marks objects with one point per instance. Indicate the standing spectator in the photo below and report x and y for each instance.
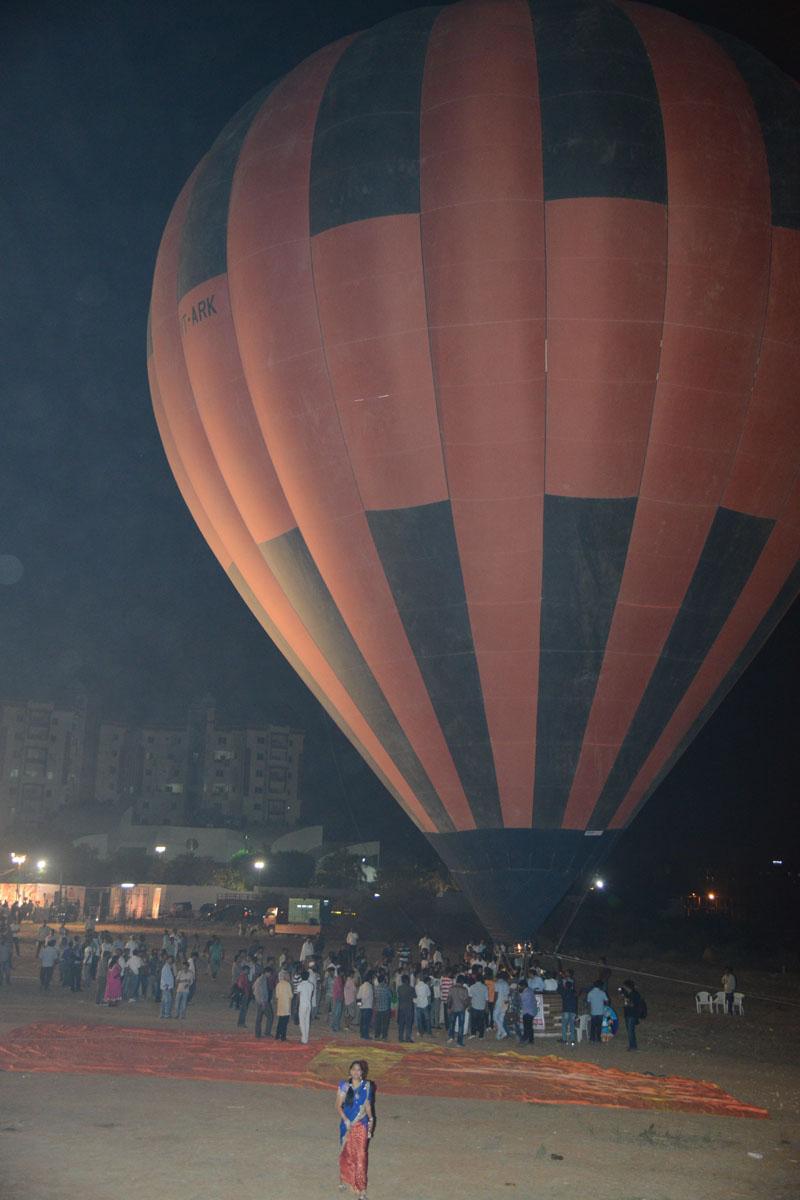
(337, 1001)
(489, 980)
(597, 999)
(729, 988)
(445, 984)
(6, 951)
(101, 978)
(501, 990)
(422, 1001)
(529, 1008)
(167, 985)
(457, 1002)
(634, 1009)
(305, 996)
(144, 973)
(192, 964)
(313, 975)
(216, 954)
(245, 990)
(350, 1000)
(86, 965)
(478, 1001)
(513, 1021)
(569, 1007)
(262, 994)
(383, 1008)
(306, 950)
(113, 992)
(283, 1005)
(48, 957)
(405, 1009)
(327, 987)
(132, 969)
(436, 999)
(14, 931)
(183, 983)
(365, 998)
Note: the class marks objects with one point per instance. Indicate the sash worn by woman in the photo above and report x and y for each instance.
(356, 1122)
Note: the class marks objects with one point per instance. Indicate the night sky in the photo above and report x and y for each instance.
(106, 108)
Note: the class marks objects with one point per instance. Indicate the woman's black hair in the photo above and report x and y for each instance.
(362, 1062)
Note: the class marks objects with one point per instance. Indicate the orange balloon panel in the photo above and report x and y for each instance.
(479, 373)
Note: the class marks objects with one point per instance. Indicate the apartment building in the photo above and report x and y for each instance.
(253, 774)
(199, 772)
(42, 749)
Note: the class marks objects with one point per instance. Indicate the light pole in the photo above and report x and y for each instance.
(19, 860)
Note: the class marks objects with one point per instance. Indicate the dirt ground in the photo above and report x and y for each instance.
(96, 1137)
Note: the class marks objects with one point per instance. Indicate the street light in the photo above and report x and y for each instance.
(41, 865)
(259, 864)
(600, 884)
(160, 849)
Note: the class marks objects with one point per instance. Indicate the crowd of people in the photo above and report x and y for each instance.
(488, 990)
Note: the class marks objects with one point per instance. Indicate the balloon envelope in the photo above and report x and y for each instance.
(473, 346)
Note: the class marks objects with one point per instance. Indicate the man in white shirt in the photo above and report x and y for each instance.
(597, 999)
(167, 988)
(425, 943)
(305, 994)
(422, 1005)
(314, 980)
(48, 957)
(306, 950)
(132, 968)
(478, 1000)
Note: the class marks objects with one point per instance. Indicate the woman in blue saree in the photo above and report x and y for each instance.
(356, 1122)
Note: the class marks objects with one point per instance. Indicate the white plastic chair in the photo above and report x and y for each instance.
(582, 1027)
(718, 1001)
(704, 1000)
(738, 1003)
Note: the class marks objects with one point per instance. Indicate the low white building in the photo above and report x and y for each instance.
(203, 842)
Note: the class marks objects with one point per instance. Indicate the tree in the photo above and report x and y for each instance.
(289, 868)
(189, 870)
(339, 869)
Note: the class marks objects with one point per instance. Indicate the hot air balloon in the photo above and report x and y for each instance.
(474, 346)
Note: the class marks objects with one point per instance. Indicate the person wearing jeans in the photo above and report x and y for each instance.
(167, 988)
(337, 1002)
(365, 999)
(457, 1001)
(529, 1007)
(597, 999)
(479, 1000)
(634, 1007)
(383, 1008)
(263, 999)
(422, 1001)
(405, 1010)
(569, 1007)
(501, 990)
